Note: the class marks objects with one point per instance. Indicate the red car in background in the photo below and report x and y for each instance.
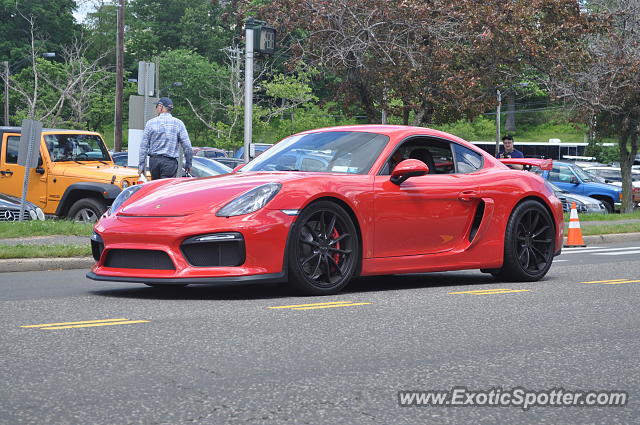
(323, 206)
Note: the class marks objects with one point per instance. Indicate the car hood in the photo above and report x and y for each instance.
(12, 202)
(96, 171)
(579, 198)
(180, 197)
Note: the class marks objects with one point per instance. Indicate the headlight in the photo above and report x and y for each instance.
(122, 197)
(250, 201)
(32, 214)
(124, 184)
(39, 213)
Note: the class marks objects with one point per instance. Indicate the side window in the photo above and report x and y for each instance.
(467, 161)
(442, 158)
(565, 175)
(554, 174)
(13, 144)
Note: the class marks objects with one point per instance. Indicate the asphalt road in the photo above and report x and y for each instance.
(214, 355)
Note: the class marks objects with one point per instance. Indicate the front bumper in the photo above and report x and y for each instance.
(264, 237)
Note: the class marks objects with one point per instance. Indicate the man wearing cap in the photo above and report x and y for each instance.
(160, 140)
(508, 150)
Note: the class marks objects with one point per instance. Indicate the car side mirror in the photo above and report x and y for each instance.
(408, 168)
(574, 180)
(39, 168)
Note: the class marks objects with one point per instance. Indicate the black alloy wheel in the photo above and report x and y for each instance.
(323, 249)
(529, 244)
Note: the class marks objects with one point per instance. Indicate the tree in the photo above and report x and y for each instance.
(53, 19)
(600, 77)
(56, 92)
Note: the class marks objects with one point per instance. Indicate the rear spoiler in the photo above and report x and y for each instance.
(543, 164)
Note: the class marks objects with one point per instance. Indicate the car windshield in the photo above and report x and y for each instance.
(76, 147)
(582, 175)
(349, 152)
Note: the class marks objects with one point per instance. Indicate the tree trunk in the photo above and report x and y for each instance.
(628, 133)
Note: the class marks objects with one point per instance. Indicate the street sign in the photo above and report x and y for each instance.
(146, 78)
(265, 40)
(138, 113)
(29, 143)
(28, 155)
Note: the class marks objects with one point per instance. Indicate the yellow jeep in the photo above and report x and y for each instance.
(75, 177)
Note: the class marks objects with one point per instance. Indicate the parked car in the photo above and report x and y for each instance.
(574, 179)
(205, 167)
(360, 214)
(10, 209)
(209, 152)
(613, 175)
(201, 167)
(258, 149)
(231, 162)
(75, 177)
(584, 204)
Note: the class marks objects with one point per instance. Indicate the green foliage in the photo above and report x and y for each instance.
(605, 154)
(54, 24)
(301, 119)
(479, 129)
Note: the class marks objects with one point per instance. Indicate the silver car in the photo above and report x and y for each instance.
(584, 204)
(10, 209)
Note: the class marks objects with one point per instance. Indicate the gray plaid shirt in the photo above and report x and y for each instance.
(161, 137)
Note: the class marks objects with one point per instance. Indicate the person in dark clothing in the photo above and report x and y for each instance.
(508, 150)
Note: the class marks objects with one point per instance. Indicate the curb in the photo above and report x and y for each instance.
(609, 238)
(43, 264)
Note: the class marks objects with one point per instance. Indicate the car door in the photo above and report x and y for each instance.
(563, 177)
(426, 214)
(12, 174)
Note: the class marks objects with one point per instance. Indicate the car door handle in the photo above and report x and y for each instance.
(467, 195)
(6, 173)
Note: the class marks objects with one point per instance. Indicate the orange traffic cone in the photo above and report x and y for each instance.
(574, 238)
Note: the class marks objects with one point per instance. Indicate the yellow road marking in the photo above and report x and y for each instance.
(624, 281)
(128, 322)
(603, 281)
(502, 292)
(481, 290)
(74, 323)
(328, 306)
(308, 305)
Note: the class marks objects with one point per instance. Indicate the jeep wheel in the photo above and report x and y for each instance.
(87, 210)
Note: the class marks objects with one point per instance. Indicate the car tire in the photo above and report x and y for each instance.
(608, 205)
(323, 250)
(529, 244)
(87, 210)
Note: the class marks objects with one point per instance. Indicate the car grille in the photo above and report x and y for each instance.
(565, 204)
(138, 259)
(13, 215)
(215, 250)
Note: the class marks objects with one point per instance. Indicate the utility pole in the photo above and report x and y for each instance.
(119, 77)
(6, 93)
(248, 87)
(498, 122)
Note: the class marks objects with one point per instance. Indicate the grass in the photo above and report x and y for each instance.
(607, 229)
(43, 228)
(42, 251)
(606, 217)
